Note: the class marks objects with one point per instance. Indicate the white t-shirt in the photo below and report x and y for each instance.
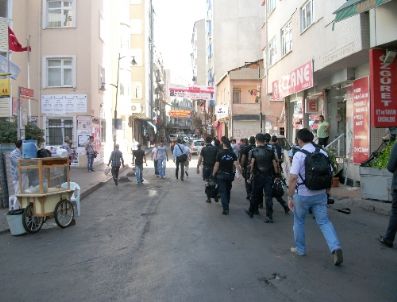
(298, 168)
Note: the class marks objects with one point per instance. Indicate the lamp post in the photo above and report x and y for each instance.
(114, 128)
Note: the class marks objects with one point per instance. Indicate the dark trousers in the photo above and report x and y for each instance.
(282, 202)
(262, 184)
(224, 187)
(323, 141)
(182, 164)
(248, 184)
(392, 227)
(115, 172)
(90, 162)
(156, 168)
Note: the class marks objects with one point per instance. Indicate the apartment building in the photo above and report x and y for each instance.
(198, 54)
(317, 61)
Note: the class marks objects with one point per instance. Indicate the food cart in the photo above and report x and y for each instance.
(44, 192)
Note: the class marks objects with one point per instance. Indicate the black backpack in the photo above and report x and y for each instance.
(318, 172)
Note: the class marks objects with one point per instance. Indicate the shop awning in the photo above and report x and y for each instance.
(354, 7)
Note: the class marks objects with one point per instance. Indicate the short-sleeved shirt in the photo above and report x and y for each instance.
(322, 130)
(246, 151)
(208, 153)
(139, 155)
(226, 159)
(161, 153)
(298, 168)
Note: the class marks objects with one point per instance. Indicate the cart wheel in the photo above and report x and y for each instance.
(32, 224)
(64, 213)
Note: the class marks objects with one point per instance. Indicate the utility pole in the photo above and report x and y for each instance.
(151, 55)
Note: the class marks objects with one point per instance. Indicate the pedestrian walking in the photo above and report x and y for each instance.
(262, 168)
(162, 158)
(187, 162)
(180, 157)
(310, 179)
(91, 153)
(207, 158)
(323, 132)
(235, 147)
(245, 165)
(155, 160)
(390, 234)
(224, 171)
(139, 157)
(116, 160)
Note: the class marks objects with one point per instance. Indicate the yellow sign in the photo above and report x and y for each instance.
(4, 87)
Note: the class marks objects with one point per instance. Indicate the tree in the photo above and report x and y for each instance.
(8, 131)
(32, 131)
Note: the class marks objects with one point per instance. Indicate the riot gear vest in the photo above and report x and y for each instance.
(264, 157)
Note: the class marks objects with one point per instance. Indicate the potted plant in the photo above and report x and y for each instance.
(375, 179)
(336, 167)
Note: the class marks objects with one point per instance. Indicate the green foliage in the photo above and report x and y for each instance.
(381, 160)
(34, 132)
(8, 131)
(334, 163)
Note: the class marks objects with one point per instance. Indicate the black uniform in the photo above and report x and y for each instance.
(209, 153)
(245, 168)
(263, 175)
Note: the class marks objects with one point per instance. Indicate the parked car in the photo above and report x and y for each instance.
(196, 146)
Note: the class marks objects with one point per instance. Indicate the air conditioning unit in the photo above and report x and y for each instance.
(136, 108)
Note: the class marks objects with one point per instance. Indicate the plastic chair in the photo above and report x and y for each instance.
(75, 199)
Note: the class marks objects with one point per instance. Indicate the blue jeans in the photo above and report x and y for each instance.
(161, 165)
(156, 165)
(90, 158)
(318, 204)
(139, 173)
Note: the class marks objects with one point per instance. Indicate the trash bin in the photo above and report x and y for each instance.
(14, 220)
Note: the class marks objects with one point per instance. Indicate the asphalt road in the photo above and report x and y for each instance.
(160, 241)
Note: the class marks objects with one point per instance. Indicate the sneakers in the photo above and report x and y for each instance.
(295, 251)
(225, 212)
(385, 242)
(268, 220)
(337, 257)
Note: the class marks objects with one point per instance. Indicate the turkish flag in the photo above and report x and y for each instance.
(13, 43)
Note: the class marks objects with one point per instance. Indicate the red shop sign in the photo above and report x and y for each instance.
(383, 79)
(297, 80)
(360, 120)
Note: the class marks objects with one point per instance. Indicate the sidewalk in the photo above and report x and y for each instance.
(89, 182)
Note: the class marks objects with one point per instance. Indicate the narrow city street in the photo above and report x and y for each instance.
(161, 241)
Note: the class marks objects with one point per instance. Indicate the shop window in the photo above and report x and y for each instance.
(57, 130)
(59, 14)
(306, 15)
(286, 39)
(236, 96)
(60, 72)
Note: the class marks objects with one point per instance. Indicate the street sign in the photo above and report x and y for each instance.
(4, 87)
(26, 92)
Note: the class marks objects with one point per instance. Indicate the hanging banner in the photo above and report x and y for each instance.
(193, 93)
(383, 79)
(361, 148)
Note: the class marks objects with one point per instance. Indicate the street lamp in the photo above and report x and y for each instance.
(133, 62)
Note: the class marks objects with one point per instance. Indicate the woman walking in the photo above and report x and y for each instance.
(224, 170)
(162, 158)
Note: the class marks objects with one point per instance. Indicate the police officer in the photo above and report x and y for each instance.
(208, 158)
(244, 163)
(263, 168)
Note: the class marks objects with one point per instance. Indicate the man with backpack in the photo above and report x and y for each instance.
(180, 154)
(208, 158)
(263, 166)
(310, 179)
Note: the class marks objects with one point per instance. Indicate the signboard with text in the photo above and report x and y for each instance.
(361, 148)
(180, 113)
(383, 79)
(193, 93)
(296, 81)
(59, 104)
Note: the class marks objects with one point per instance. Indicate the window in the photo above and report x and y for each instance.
(272, 51)
(59, 14)
(271, 6)
(60, 72)
(57, 130)
(236, 96)
(306, 14)
(286, 39)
